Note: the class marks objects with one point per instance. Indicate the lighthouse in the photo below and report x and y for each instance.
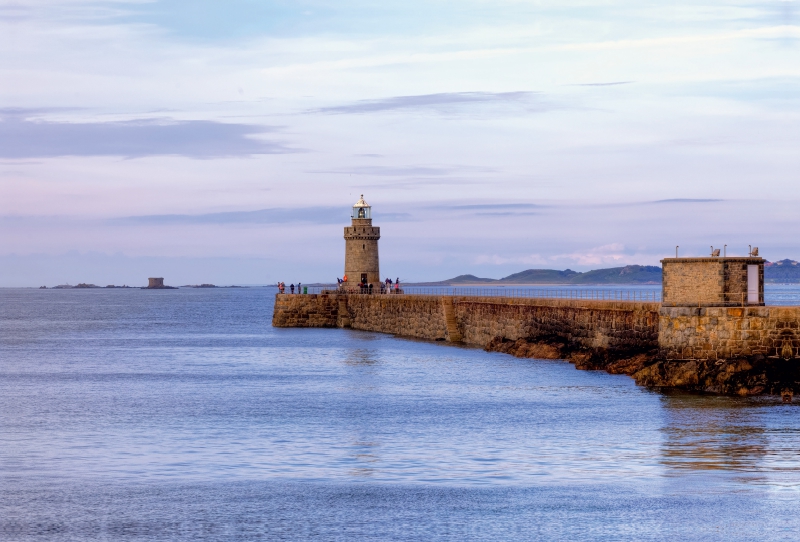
(361, 248)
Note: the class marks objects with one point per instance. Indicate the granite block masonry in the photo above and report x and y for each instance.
(712, 282)
(602, 325)
(361, 261)
(714, 333)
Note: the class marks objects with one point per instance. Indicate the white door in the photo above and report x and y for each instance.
(752, 284)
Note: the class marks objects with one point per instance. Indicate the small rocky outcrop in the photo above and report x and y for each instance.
(157, 283)
(757, 375)
(614, 361)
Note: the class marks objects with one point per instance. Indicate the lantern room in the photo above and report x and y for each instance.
(361, 209)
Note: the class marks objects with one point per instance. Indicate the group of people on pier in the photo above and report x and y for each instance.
(364, 288)
(282, 288)
(368, 288)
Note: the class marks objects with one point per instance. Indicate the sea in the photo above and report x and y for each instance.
(151, 415)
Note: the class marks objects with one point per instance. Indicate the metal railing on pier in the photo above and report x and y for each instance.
(597, 294)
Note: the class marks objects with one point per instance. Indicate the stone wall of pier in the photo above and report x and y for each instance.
(479, 320)
(711, 333)
(611, 325)
(297, 310)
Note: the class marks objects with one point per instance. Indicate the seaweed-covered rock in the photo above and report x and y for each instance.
(756, 375)
(742, 376)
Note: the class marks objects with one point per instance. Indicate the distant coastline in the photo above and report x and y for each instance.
(780, 272)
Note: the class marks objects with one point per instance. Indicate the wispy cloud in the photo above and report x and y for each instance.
(508, 213)
(414, 183)
(24, 137)
(497, 206)
(441, 102)
(613, 253)
(316, 215)
(339, 215)
(497, 259)
(391, 171)
(686, 200)
(611, 84)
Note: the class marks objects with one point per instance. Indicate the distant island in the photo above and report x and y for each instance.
(630, 274)
(209, 286)
(780, 272)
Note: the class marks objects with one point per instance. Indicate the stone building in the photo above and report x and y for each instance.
(361, 248)
(155, 282)
(712, 282)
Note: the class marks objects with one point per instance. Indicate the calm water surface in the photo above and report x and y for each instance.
(182, 414)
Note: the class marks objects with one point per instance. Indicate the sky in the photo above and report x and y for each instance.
(225, 142)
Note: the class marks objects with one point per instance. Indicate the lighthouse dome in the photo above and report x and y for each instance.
(362, 209)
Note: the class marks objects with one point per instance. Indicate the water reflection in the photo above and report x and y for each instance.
(754, 439)
(364, 392)
(364, 455)
(361, 357)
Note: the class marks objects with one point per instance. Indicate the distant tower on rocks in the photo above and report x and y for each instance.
(361, 248)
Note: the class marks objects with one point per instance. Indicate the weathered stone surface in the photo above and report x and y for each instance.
(708, 281)
(607, 325)
(614, 361)
(754, 376)
(361, 252)
(603, 325)
(522, 348)
(726, 333)
(297, 310)
(410, 316)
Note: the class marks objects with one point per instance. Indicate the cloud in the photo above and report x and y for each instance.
(23, 137)
(442, 102)
(280, 215)
(316, 215)
(507, 213)
(415, 182)
(505, 207)
(496, 259)
(686, 200)
(389, 171)
(613, 253)
(14, 13)
(611, 84)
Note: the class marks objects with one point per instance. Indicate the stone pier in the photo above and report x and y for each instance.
(613, 326)
(726, 350)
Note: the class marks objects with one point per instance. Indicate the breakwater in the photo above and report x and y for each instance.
(478, 320)
(744, 351)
